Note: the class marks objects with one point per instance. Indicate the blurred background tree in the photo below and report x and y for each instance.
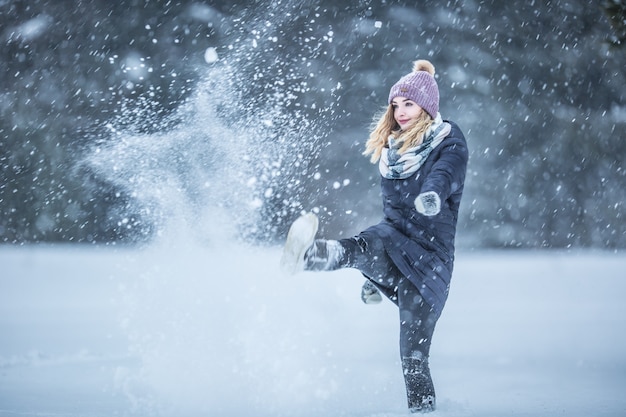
(537, 87)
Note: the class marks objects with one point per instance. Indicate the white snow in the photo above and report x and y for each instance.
(32, 28)
(190, 330)
(210, 55)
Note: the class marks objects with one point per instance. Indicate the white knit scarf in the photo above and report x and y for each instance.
(394, 165)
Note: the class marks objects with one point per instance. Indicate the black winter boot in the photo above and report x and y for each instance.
(323, 255)
(419, 385)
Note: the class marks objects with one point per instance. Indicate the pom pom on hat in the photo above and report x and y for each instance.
(424, 65)
(419, 86)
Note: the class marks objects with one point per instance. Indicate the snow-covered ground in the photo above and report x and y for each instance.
(185, 331)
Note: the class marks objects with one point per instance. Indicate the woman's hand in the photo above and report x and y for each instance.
(428, 203)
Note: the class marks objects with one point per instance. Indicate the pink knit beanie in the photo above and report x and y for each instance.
(419, 86)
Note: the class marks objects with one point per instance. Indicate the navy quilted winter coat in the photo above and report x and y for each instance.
(423, 247)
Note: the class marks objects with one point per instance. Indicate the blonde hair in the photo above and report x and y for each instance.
(387, 126)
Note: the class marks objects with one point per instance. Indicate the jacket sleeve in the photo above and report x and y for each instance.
(448, 172)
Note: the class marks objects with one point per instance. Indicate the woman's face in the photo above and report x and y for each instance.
(405, 111)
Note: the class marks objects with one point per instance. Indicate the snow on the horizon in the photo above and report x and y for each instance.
(190, 330)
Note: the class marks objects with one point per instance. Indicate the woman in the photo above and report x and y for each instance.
(409, 255)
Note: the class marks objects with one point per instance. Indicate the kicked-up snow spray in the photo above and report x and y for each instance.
(203, 303)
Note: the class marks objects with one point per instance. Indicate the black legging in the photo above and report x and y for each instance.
(367, 253)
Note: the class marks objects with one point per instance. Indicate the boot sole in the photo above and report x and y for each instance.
(301, 235)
